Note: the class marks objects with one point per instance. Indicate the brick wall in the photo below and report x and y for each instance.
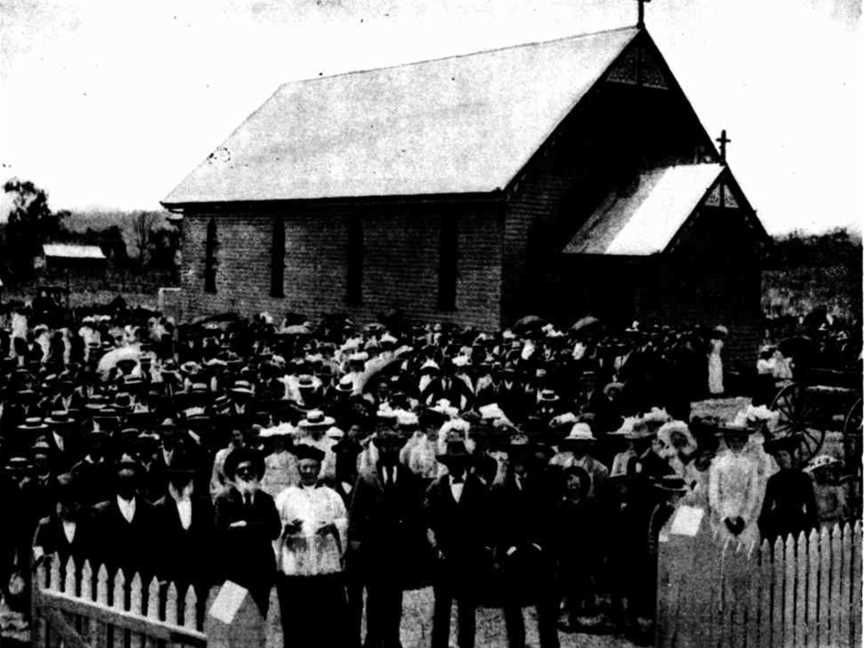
(400, 261)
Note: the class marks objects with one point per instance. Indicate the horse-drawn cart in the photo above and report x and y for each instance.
(820, 401)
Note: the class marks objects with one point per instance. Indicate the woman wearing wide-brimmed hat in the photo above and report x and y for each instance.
(575, 450)
(790, 505)
(735, 491)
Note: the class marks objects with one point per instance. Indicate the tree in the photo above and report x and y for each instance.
(30, 224)
(143, 227)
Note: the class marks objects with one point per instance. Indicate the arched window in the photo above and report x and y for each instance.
(448, 263)
(354, 291)
(210, 261)
(277, 259)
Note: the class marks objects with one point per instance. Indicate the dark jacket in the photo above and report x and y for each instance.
(245, 553)
(789, 505)
(524, 535)
(386, 526)
(185, 555)
(52, 540)
(121, 544)
(462, 530)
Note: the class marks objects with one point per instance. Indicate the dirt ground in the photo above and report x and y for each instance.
(417, 627)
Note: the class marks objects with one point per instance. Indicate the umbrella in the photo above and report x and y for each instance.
(108, 361)
(295, 329)
(587, 322)
(220, 320)
(529, 322)
(294, 319)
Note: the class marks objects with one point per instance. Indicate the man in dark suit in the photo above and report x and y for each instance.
(64, 441)
(65, 532)
(386, 536)
(456, 508)
(448, 386)
(522, 508)
(93, 472)
(246, 524)
(123, 525)
(184, 527)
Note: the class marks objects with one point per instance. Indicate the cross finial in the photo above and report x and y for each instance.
(723, 141)
(641, 21)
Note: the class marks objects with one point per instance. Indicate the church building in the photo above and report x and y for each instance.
(558, 178)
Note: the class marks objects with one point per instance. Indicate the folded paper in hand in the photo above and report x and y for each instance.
(686, 521)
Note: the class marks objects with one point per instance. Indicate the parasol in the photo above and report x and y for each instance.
(529, 323)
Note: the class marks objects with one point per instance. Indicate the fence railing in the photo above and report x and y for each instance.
(802, 591)
(79, 608)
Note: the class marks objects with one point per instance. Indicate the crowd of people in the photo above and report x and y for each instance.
(528, 466)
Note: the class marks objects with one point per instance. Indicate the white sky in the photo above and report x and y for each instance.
(110, 103)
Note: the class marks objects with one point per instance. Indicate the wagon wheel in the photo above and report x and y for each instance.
(852, 437)
(796, 409)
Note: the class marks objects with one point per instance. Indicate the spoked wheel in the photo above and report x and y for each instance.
(852, 437)
(797, 412)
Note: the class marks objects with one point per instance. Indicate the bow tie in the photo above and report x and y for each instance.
(458, 480)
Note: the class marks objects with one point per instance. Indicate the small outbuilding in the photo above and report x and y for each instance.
(72, 259)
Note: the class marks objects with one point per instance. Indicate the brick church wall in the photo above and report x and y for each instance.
(401, 249)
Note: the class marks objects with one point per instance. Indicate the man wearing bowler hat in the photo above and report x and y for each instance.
(387, 537)
(123, 526)
(456, 512)
(66, 530)
(522, 509)
(184, 527)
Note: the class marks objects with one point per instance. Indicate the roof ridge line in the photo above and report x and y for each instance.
(457, 56)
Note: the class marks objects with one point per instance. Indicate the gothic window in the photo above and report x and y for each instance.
(354, 292)
(277, 259)
(210, 260)
(448, 264)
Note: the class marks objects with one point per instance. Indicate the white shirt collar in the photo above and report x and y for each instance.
(184, 511)
(69, 528)
(127, 508)
(456, 489)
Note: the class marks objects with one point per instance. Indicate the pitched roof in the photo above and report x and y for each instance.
(645, 221)
(462, 124)
(71, 251)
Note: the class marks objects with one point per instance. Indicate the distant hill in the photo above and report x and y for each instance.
(81, 223)
(805, 271)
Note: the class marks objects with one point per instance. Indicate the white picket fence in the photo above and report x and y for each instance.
(799, 592)
(78, 610)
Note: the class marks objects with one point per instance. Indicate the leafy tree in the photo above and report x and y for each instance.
(30, 224)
